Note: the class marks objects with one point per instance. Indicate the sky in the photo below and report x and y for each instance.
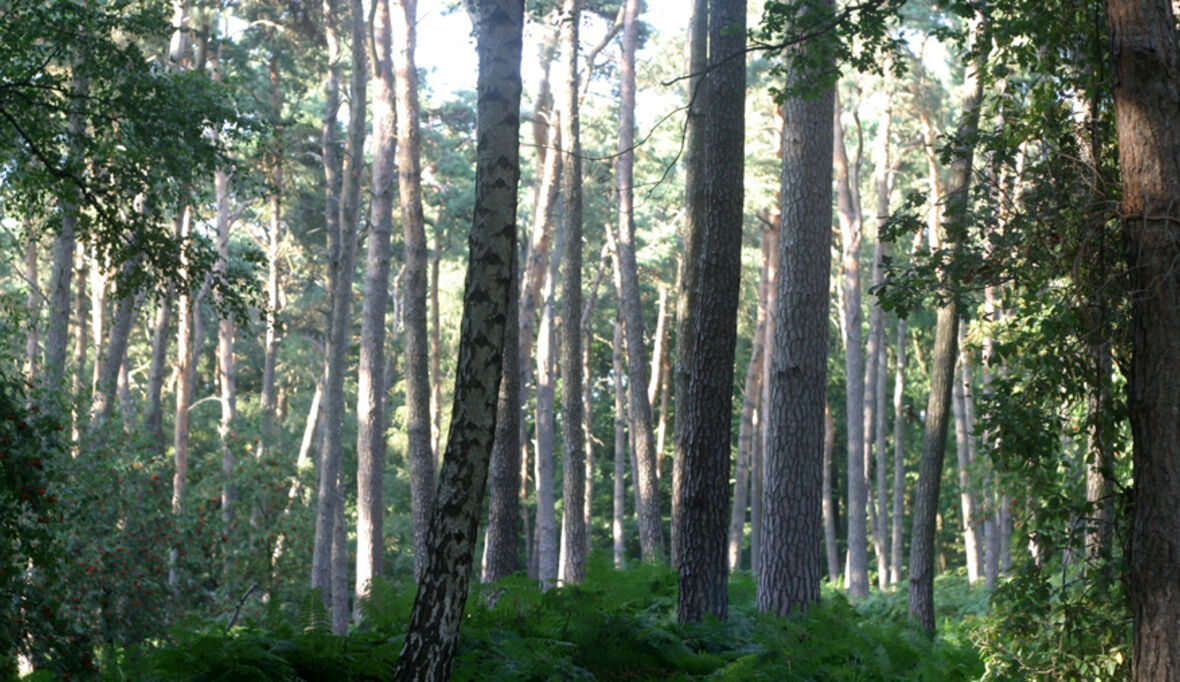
(446, 48)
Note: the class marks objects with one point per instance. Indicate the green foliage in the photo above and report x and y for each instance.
(615, 626)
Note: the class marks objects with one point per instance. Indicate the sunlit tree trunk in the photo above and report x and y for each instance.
(433, 632)
(854, 365)
(963, 450)
(650, 524)
(226, 374)
(185, 359)
(1146, 58)
(938, 406)
(747, 427)
(370, 401)
(897, 524)
(270, 347)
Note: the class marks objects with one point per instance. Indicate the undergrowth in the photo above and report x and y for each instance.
(614, 626)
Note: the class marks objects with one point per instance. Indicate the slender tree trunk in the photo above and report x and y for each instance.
(573, 441)
(854, 368)
(435, 351)
(897, 527)
(107, 381)
(226, 379)
(185, 361)
(418, 412)
(154, 410)
(789, 576)
(651, 536)
(33, 304)
(922, 545)
(967, 503)
(620, 489)
(770, 249)
(546, 525)
(747, 429)
(64, 243)
(1146, 79)
(876, 372)
(503, 532)
(696, 206)
(273, 239)
(587, 330)
(438, 608)
(370, 403)
(341, 209)
(829, 503)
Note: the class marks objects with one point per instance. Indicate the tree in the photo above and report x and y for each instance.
(638, 402)
(430, 642)
(573, 441)
(370, 407)
(946, 337)
(422, 463)
(1146, 60)
(704, 503)
(340, 212)
(789, 568)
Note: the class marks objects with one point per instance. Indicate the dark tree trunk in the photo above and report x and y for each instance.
(1146, 77)
(789, 573)
(942, 370)
(429, 647)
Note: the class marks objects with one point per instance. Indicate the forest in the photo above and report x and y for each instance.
(619, 340)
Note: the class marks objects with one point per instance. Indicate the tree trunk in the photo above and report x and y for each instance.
(829, 503)
(749, 425)
(503, 532)
(429, 647)
(704, 509)
(620, 489)
(651, 536)
(435, 353)
(942, 370)
(876, 371)
(418, 412)
(33, 305)
(1146, 79)
(573, 551)
(546, 525)
(896, 539)
(967, 502)
(587, 331)
(154, 410)
(226, 378)
(64, 243)
(340, 211)
(770, 247)
(370, 399)
(854, 367)
(270, 347)
(185, 361)
(695, 164)
(790, 565)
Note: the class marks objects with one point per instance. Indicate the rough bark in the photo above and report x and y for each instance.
(503, 532)
(695, 164)
(854, 366)
(704, 509)
(942, 365)
(438, 608)
(370, 400)
(1146, 58)
(789, 576)
(651, 534)
(573, 551)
